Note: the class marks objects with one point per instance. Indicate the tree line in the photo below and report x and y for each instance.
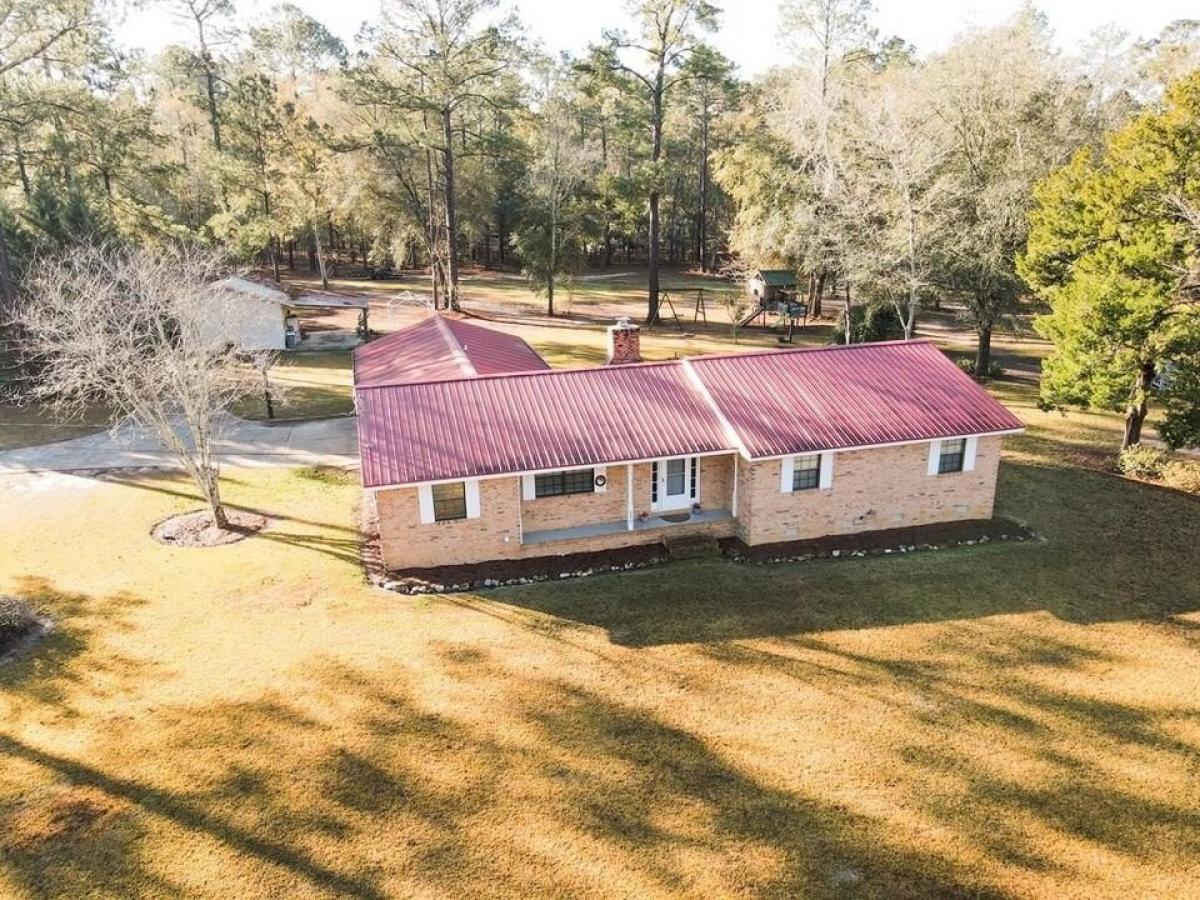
(888, 178)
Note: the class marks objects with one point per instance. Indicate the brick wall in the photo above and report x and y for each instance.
(407, 543)
(577, 509)
(872, 489)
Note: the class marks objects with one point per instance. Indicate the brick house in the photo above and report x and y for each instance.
(475, 450)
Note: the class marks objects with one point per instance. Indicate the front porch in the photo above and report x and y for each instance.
(688, 520)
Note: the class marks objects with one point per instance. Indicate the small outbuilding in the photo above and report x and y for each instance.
(253, 315)
(773, 285)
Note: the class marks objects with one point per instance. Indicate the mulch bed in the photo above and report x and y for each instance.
(498, 573)
(196, 529)
(890, 540)
(445, 579)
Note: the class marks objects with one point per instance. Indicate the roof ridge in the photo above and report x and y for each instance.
(826, 348)
(456, 348)
(733, 354)
(495, 376)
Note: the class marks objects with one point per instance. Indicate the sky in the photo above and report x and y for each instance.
(748, 27)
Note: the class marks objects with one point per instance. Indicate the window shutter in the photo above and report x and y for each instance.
(787, 466)
(528, 487)
(472, 498)
(826, 471)
(596, 473)
(935, 456)
(425, 503)
(969, 455)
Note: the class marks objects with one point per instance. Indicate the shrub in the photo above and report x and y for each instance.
(16, 617)
(870, 322)
(1142, 461)
(1182, 475)
(995, 370)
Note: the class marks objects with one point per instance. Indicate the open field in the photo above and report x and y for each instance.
(318, 383)
(996, 721)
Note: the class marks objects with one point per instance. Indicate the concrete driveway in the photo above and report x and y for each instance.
(241, 443)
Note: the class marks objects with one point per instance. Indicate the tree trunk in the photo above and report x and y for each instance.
(818, 294)
(451, 285)
(656, 123)
(210, 87)
(320, 256)
(702, 224)
(1135, 412)
(292, 255)
(7, 290)
(211, 487)
(553, 262)
(983, 352)
(849, 335)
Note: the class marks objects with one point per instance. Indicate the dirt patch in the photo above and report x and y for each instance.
(442, 579)
(67, 816)
(197, 529)
(890, 540)
(329, 474)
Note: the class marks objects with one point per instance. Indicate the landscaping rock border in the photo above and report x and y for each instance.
(939, 536)
(502, 573)
(451, 579)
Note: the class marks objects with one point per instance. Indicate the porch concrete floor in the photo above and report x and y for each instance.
(597, 529)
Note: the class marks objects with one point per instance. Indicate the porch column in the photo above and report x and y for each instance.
(629, 496)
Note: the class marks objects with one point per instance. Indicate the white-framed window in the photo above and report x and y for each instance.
(568, 481)
(448, 501)
(952, 455)
(593, 480)
(811, 471)
(806, 473)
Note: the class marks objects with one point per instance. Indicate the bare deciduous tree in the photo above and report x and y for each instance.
(144, 333)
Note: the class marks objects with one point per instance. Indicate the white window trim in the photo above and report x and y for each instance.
(969, 454)
(473, 507)
(529, 482)
(787, 471)
(425, 500)
(425, 503)
(935, 457)
(970, 449)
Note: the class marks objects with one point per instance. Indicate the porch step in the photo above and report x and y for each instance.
(693, 547)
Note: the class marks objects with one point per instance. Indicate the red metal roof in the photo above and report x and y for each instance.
(521, 423)
(794, 401)
(438, 348)
(773, 403)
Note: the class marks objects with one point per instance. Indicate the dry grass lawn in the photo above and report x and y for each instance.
(252, 720)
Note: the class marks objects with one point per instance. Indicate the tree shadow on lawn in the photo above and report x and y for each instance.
(58, 670)
(1113, 553)
(571, 794)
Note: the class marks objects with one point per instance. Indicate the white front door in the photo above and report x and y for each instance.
(676, 483)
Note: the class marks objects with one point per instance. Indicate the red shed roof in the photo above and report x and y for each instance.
(528, 422)
(794, 401)
(774, 403)
(438, 348)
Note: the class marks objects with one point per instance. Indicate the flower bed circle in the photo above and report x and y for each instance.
(197, 529)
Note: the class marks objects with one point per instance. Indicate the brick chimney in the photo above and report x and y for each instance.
(624, 343)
